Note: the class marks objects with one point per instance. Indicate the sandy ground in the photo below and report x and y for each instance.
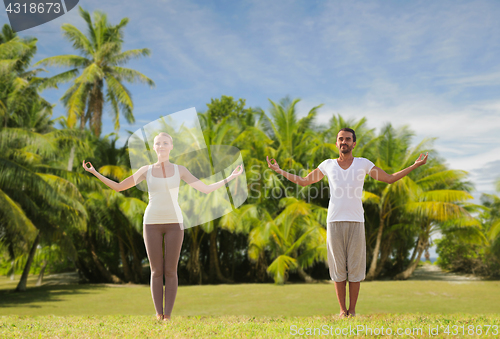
(424, 272)
(433, 272)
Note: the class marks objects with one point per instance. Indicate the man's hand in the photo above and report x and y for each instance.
(420, 161)
(270, 164)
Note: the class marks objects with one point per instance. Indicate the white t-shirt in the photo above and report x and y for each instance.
(346, 189)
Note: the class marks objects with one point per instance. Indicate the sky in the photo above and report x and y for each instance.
(431, 65)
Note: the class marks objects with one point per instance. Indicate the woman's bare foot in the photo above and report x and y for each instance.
(166, 317)
(159, 317)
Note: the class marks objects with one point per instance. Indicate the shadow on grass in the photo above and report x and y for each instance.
(10, 298)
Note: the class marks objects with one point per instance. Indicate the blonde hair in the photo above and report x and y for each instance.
(163, 134)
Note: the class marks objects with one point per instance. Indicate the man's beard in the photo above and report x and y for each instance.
(345, 149)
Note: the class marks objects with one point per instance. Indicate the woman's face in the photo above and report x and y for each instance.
(163, 145)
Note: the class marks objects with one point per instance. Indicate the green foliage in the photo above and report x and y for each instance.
(102, 75)
(269, 236)
(476, 252)
(457, 256)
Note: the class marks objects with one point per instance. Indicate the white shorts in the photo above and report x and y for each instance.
(346, 250)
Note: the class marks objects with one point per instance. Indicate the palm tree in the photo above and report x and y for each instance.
(35, 202)
(221, 125)
(19, 86)
(436, 198)
(297, 241)
(296, 238)
(102, 75)
(490, 230)
(291, 135)
(255, 145)
(416, 204)
(117, 217)
(393, 155)
(29, 146)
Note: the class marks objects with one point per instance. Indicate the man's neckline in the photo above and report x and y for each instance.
(336, 160)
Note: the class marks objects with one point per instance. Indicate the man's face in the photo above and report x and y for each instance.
(345, 144)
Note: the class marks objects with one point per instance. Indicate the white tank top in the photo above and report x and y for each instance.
(163, 207)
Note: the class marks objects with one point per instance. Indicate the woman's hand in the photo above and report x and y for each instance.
(420, 161)
(270, 164)
(236, 172)
(91, 169)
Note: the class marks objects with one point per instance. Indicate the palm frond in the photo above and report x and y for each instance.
(280, 266)
(131, 75)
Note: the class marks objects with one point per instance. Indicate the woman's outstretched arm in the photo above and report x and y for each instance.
(199, 185)
(131, 181)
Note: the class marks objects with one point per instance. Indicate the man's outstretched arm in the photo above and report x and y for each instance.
(381, 175)
(311, 178)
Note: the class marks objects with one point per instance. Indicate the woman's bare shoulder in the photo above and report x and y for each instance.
(142, 171)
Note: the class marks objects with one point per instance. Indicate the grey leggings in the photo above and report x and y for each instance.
(163, 266)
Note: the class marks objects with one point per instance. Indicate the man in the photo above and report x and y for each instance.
(346, 244)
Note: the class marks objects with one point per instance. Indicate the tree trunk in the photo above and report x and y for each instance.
(111, 278)
(82, 120)
(96, 101)
(126, 268)
(21, 287)
(71, 158)
(215, 273)
(233, 256)
(260, 268)
(415, 251)
(384, 254)
(194, 266)
(137, 265)
(85, 270)
(40, 276)
(413, 265)
(373, 265)
(195, 273)
(12, 270)
(307, 278)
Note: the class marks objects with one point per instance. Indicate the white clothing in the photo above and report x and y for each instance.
(346, 189)
(163, 207)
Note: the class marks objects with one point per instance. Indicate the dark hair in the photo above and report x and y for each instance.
(346, 129)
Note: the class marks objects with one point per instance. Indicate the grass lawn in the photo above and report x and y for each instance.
(377, 325)
(246, 310)
(474, 297)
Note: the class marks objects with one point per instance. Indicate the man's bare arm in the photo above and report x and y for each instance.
(379, 174)
(311, 178)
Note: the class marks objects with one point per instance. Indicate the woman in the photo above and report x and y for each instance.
(162, 223)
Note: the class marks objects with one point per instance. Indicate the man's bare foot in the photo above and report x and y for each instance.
(351, 314)
(343, 315)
